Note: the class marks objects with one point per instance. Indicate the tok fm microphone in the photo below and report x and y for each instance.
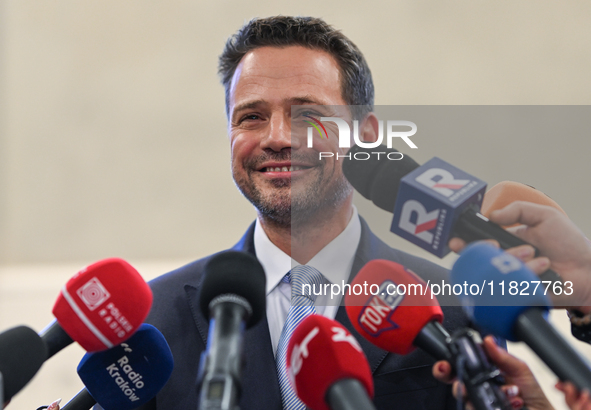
(327, 367)
(402, 314)
(513, 305)
(126, 376)
(22, 353)
(392, 320)
(431, 203)
(99, 307)
(232, 296)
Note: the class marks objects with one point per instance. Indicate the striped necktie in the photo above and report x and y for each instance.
(301, 307)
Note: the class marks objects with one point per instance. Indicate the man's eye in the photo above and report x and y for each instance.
(250, 117)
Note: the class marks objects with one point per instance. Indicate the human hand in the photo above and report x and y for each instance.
(522, 387)
(574, 399)
(557, 238)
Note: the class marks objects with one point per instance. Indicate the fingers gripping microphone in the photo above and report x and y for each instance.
(99, 307)
(518, 314)
(431, 203)
(233, 297)
(402, 314)
(507, 192)
(127, 376)
(22, 352)
(327, 366)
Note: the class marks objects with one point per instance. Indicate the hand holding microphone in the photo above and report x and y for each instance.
(327, 366)
(431, 203)
(516, 316)
(399, 321)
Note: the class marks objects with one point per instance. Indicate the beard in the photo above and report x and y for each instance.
(297, 203)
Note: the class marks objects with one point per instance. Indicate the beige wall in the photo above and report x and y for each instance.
(112, 127)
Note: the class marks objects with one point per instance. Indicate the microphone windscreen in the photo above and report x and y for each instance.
(393, 307)
(506, 288)
(506, 192)
(22, 352)
(378, 179)
(321, 352)
(237, 273)
(128, 375)
(103, 304)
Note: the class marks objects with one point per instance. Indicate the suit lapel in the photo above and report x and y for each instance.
(259, 376)
(365, 252)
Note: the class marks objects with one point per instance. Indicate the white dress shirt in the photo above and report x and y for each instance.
(334, 261)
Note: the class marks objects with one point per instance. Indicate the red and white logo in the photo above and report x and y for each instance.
(425, 221)
(93, 293)
(441, 181)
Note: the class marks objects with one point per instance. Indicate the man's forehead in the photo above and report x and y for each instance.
(285, 69)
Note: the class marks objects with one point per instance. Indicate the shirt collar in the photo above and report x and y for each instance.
(334, 261)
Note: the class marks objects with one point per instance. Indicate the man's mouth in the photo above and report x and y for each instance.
(291, 168)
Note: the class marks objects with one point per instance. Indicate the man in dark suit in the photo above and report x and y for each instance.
(304, 207)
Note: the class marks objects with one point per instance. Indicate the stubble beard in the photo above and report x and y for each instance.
(296, 207)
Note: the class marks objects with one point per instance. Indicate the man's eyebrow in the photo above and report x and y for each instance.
(306, 100)
(247, 105)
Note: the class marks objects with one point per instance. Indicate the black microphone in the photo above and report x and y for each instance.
(431, 203)
(233, 297)
(22, 353)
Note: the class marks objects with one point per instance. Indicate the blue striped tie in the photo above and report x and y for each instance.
(301, 307)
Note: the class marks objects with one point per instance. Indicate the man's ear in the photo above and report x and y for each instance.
(369, 129)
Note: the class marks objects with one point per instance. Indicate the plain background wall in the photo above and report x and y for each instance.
(113, 134)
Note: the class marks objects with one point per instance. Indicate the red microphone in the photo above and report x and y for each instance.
(100, 307)
(327, 367)
(398, 313)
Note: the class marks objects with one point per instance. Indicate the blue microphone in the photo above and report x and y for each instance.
(517, 317)
(127, 376)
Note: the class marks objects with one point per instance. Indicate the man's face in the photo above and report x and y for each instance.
(276, 172)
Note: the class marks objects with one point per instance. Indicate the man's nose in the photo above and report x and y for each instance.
(279, 135)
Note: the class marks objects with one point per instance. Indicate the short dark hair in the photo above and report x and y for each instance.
(282, 31)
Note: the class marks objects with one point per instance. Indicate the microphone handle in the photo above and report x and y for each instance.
(222, 361)
(433, 339)
(82, 401)
(55, 338)
(473, 226)
(348, 394)
(533, 329)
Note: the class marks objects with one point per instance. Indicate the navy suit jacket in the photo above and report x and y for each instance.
(401, 382)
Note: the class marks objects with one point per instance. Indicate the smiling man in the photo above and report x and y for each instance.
(277, 73)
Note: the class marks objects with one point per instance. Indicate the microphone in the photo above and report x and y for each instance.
(327, 367)
(395, 321)
(126, 376)
(22, 353)
(518, 310)
(233, 297)
(506, 192)
(401, 314)
(431, 203)
(99, 307)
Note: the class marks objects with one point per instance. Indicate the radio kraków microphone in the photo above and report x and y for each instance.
(327, 367)
(126, 376)
(232, 296)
